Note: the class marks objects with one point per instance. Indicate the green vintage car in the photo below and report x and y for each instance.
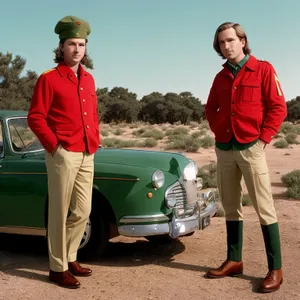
(155, 195)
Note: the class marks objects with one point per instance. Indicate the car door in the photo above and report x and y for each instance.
(23, 179)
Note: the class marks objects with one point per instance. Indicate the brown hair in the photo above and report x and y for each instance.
(239, 32)
(59, 57)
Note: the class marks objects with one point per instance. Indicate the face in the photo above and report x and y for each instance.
(73, 50)
(231, 45)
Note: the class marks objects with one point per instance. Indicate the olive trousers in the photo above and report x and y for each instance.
(70, 182)
(252, 165)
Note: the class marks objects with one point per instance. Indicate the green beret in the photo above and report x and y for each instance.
(72, 27)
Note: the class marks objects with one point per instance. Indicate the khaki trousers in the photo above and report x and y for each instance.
(70, 181)
(252, 165)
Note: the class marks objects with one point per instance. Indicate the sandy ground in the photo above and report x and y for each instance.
(136, 269)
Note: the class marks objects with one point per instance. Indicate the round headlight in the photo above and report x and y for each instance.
(158, 179)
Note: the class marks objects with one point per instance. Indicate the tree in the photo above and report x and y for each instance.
(15, 91)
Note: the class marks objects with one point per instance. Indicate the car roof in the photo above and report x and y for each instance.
(12, 113)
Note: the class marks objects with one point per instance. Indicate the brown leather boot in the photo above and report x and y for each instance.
(76, 269)
(64, 279)
(228, 268)
(272, 281)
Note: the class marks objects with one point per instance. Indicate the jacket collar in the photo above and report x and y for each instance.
(64, 70)
(251, 64)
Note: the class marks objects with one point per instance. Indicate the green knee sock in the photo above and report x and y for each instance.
(234, 240)
(272, 244)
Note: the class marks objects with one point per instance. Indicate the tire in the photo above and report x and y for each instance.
(96, 235)
(159, 239)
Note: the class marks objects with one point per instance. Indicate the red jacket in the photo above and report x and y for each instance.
(65, 112)
(249, 106)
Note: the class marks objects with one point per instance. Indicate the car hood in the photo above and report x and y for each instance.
(165, 161)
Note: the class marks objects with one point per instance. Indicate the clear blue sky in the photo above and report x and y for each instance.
(156, 45)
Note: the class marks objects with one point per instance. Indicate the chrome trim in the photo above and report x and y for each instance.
(23, 173)
(10, 141)
(116, 178)
(23, 230)
(175, 228)
(144, 219)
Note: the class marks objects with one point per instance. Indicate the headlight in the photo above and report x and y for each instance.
(158, 179)
(170, 198)
(190, 171)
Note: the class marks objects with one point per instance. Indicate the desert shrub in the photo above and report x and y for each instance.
(198, 133)
(163, 127)
(177, 131)
(138, 132)
(292, 181)
(193, 124)
(153, 133)
(286, 127)
(150, 142)
(183, 142)
(278, 135)
(282, 143)
(104, 132)
(133, 125)
(208, 173)
(204, 125)
(246, 200)
(207, 141)
(117, 143)
(291, 138)
(119, 131)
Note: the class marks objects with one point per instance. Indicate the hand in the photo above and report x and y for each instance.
(54, 150)
(263, 143)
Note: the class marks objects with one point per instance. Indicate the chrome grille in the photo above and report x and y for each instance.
(181, 208)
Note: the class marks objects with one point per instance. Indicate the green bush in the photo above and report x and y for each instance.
(204, 125)
(104, 132)
(138, 132)
(208, 173)
(119, 131)
(149, 143)
(282, 143)
(291, 138)
(292, 181)
(153, 133)
(117, 143)
(177, 131)
(183, 142)
(207, 141)
(246, 200)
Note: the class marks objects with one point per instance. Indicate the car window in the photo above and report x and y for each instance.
(22, 139)
(1, 140)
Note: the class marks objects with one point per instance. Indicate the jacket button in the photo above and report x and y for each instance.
(227, 130)
(83, 100)
(232, 113)
(85, 113)
(81, 88)
(234, 87)
(87, 126)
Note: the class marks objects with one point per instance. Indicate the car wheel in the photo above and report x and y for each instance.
(96, 235)
(159, 239)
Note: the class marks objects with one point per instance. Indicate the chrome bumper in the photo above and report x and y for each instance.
(174, 228)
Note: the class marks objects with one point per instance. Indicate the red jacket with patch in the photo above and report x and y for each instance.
(249, 106)
(64, 111)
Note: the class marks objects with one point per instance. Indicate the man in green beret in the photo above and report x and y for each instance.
(64, 116)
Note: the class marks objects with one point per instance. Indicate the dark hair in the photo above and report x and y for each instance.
(239, 32)
(59, 56)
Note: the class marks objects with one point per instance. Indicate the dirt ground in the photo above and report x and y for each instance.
(136, 269)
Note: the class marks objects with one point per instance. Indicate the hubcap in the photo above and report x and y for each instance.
(87, 234)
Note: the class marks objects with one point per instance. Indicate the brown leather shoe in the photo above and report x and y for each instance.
(272, 281)
(76, 269)
(64, 279)
(228, 268)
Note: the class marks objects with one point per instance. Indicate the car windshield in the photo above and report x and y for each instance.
(22, 139)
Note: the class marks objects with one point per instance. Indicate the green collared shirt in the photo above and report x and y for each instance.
(233, 144)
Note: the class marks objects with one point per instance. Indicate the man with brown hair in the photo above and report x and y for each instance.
(245, 109)
(64, 116)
